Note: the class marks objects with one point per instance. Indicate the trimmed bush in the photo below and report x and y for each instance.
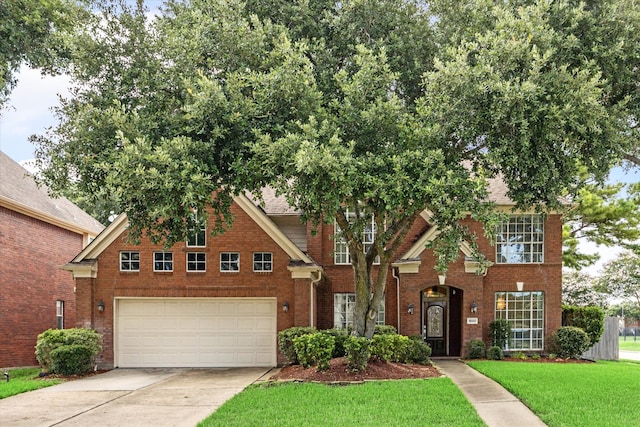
(418, 351)
(589, 319)
(358, 353)
(476, 349)
(495, 353)
(382, 347)
(74, 359)
(385, 330)
(570, 341)
(285, 341)
(339, 336)
(500, 333)
(314, 350)
(51, 339)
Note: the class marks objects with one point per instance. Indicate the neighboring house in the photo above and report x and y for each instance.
(38, 234)
(220, 301)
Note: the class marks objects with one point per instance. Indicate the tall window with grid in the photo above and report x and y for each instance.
(525, 313)
(341, 249)
(520, 240)
(343, 306)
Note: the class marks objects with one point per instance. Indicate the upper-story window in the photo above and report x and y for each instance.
(341, 253)
(129, 261)
(163, 261)
(262, 261)
(229, 261)
(196, 261)
(520, 240)
(197, 237)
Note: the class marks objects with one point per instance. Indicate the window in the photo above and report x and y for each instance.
(229, 261)
(60, 314)
(129, 261)
(196, 261)
(197, 238)
(262, 261)
(163, 261)
(525, 313)
(343, 305)
(520, 240)
(340, 247)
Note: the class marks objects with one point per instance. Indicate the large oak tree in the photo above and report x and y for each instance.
(362, 113)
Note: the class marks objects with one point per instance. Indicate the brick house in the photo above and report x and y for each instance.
(220, 301)
(38, 234)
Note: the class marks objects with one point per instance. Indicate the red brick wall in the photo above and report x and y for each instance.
(30, 283)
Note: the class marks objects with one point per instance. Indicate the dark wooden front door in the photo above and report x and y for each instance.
(435, 326)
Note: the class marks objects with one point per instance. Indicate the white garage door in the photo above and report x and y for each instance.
(198, 332)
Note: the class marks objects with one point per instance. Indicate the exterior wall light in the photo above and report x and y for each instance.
(100, 306)
(285, 307)
(474, 307)
(410, 309)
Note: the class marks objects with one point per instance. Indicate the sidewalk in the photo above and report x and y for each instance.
(495, 405)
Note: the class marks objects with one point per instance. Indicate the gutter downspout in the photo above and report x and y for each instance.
(393, 273)
(312, 285)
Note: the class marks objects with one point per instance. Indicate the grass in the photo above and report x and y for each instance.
(630, 344)
(432, 402)
(22, 380)
(598, 394)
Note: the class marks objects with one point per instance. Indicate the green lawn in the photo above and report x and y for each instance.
(21, 380)
(630, 344)
(432, 402)
(595, 394)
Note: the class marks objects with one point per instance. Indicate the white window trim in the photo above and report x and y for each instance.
(262, 262)
(341, 255)
(202, 231)
(60, 314)
(163, 261)
(197, 262)
(510, 313)
(230, 262)
(348, 313)
(518, 256)
(129, 261)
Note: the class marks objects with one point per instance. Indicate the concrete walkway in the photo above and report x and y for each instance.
(495, 405)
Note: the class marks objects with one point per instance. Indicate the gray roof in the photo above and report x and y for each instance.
(20, 188)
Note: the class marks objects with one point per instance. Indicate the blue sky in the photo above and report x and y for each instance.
(29, 112)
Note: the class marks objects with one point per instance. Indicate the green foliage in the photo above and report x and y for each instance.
(418, 351)
(568, 342)
(286, 338)
(476, 349)
(51, 339)
(339, 336)
(581, 289)
(73, 359)
(495, 353)
(23, 380)
(621, 277)
(358, 353)
(391, 347)
(314, 350)
(589, 319)
(520, 355)
(500, 333)
(385, 329)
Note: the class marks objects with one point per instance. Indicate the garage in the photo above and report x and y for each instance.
(195, 332)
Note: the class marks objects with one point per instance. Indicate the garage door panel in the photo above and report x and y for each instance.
(196, 332)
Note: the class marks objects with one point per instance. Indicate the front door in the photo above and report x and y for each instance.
(436, 327)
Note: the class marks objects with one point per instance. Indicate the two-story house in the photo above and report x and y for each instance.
(220, 301)
(38, 234)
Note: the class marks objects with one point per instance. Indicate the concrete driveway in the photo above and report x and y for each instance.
(127, 397)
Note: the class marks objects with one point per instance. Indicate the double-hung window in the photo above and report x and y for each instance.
(129, 261)
(197, 237)
(341, 253)
(60, 314)
(343, 306)
(229, 261)
(196, 261)
(525, 313)
(520, 240)
(262, 261)
(163, 261)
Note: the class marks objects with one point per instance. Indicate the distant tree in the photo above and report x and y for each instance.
(621, 277)
(580, 289)
(630, 311)
(35, 33)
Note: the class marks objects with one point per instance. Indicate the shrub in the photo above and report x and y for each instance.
(500, 333)
(74, 359)
(314, 349)
(589, 319)
(358, 353)
(285, 341)
(570, 342)
(519, 355)
(495, 353)
(51, 339)
(339, 336)
(382, 347)
(418, 351)
(385, 330)
(476, 349)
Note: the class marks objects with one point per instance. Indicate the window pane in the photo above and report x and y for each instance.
(520, 240)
